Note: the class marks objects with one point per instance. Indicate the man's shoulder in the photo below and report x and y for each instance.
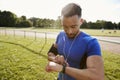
(62, 33)
(86, 37)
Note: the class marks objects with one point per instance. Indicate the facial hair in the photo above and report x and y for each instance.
(72, 36)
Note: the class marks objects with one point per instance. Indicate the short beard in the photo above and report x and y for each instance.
(73, 34)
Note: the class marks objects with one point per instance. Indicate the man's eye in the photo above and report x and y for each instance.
(73, 26)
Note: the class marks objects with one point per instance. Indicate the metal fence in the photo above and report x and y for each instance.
(43, 38)
(25, 34)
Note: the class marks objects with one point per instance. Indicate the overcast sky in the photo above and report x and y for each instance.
(92, 10)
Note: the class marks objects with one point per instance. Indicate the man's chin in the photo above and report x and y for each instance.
(71, 37)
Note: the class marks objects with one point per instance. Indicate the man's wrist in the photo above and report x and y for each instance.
(63, 68)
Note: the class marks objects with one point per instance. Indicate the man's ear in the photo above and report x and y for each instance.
(61, 20)
(81, 21)
(61, 23)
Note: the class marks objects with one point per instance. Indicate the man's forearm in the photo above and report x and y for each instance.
(79, 74)
(83, 74)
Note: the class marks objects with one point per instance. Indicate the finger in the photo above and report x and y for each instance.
(52, 64)
(47, 68)
(57, 59)
(51, 54)
(51, 58)
(62, 59)
(55, 67)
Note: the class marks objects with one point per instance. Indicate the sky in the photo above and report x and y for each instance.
(92, 10)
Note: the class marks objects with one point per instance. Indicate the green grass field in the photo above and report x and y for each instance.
(22, 59)
(96, 32)
(93, 32)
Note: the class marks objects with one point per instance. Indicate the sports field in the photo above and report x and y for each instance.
(25, 59)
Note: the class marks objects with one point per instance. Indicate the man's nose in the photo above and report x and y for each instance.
(69, 31)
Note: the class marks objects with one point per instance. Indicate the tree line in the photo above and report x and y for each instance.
(9, 19)
(100, 24)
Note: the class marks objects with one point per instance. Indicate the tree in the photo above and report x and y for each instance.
(118, 25)
(101, 23)
(57, 23)
(42, 23)
(114, 25)
(84, 25)
(34, 20)
(8, 18)
(24, 23)
(23, 18)
(109, 25)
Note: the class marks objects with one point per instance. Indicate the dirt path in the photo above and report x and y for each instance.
(112, 47)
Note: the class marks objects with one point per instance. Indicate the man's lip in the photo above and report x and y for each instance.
(70, 36)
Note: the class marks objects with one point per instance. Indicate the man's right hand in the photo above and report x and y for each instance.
(57, 59)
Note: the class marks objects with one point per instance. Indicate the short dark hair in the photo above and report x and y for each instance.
(71, 9)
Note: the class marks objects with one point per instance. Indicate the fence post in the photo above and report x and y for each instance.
(35, 35)
(5, 32)
(14, 32)
(24, 34)
(45, 37)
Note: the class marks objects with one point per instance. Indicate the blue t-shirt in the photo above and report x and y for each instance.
(74, 49)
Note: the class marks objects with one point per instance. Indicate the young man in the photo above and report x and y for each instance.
(72, 46)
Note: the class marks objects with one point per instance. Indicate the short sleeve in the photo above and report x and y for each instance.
(58, 36)
(93, 48)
